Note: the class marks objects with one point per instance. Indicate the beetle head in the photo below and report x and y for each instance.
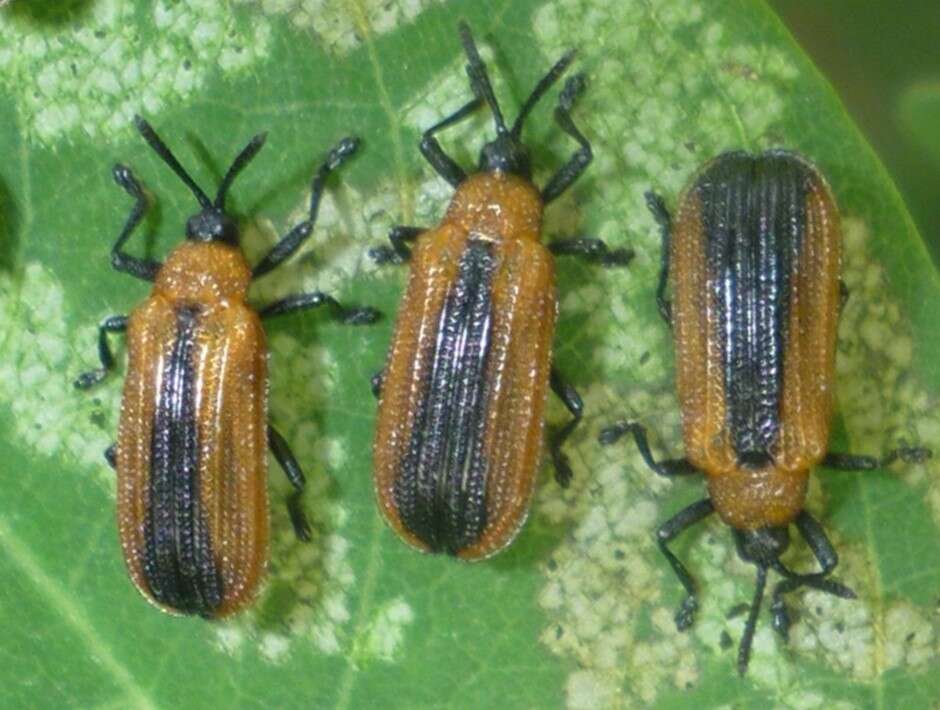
(211, 223)
(763, 546)
(506, 153)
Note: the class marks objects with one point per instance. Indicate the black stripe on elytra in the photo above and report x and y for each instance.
(179, 566)
(754, 217)
(440, 491)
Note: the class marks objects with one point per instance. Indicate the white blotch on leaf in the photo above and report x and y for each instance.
(93, 76)
(889, 406)
(42, 355)
(337, 24)
(383, 637)
(274, 647)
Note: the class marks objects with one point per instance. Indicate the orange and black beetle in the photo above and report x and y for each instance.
(191, 454)
(754, 257)
(460, 421)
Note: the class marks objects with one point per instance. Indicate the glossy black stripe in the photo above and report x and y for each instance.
(178, 562)
(754, 217)
(441, 488)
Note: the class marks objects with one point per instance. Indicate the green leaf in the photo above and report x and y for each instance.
(919, 117)
(578, 611)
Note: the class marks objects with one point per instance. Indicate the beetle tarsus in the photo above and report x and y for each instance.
(112, 324)
(110, 455)
(298, 518)
(398, 252)
(288, 463)
(685, 614)
(572, 401)
(376, 383)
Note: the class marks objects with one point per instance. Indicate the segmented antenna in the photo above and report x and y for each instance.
(241, 160)
(545, 83)
(160, 148)
(479, 79)
(744, 651)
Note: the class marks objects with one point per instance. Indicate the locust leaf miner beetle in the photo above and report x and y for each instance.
(191, 454)
(462, 396)
(754, 257)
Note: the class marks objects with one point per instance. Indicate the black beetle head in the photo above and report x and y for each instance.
(506, 153)
(211, 224)
(763, 546)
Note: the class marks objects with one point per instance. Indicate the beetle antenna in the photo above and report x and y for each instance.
(479, 79)
(545, 83)
(160, 148)
(241, 160)
(744, 652)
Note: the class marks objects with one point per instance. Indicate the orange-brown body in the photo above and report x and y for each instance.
(504, 213)
(229, 360)
(745, 497)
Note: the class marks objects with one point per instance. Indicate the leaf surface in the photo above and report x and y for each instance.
(579, 611)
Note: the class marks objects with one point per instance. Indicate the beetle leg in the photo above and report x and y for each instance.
(668, 468)
(577, 163)
(843, 295)
(376, 382)
(686, 518)
(852, 462)
(359, 315)
(398, 253)
(657, 206)
(572, 401)
(592, 250)
(112, 324)
(443, 164)
(828, 559)
(144, 269)
(110, 455)
(295, 475)
(290, 243)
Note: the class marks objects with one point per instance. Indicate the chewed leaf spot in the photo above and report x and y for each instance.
(889, 406)
(383, 637)
(93, 78)
(42, 356)
(338, 24)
